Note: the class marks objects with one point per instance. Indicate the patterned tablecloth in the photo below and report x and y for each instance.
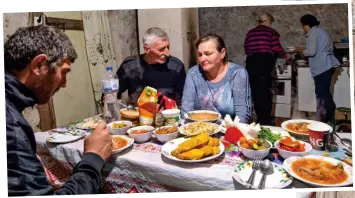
(142, 168)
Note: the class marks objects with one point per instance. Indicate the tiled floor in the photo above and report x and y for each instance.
(295, 113)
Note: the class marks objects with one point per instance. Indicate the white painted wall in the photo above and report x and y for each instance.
(76, 101)
(167, 19)
(190, 28)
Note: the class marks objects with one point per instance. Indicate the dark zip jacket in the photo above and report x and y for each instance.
(25, 173)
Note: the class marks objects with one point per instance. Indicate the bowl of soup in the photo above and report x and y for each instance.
(141, 133)
(120, 143)
(203, 116)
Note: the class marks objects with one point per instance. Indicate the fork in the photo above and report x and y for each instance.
(255, 167)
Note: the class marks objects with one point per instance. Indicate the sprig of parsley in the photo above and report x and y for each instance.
(267, 134)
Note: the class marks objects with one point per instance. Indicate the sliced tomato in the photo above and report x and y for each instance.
(301, 148)
(287, 140)
(286, 148)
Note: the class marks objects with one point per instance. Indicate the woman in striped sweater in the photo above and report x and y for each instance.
(262, 47)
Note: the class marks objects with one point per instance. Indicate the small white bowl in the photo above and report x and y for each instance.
(255, 154)
(166, 137)
(141, 137)
(286, 154)
(119, 131)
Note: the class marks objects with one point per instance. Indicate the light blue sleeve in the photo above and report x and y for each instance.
(189, 93)
(311, 47)
(242, 95)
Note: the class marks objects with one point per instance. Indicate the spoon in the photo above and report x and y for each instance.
(346, 142)
(129, 107)
(266, 168)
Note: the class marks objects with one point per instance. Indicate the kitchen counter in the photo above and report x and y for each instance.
(306, 89)
(307, 66)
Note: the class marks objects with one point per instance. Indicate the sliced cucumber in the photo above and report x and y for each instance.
(256, 146)
(261, 142)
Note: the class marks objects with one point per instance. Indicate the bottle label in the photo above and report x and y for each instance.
(110, 85)
(114, 83)
(172, 120)
(145, 120)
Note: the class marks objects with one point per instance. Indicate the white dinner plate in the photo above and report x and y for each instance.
(186, 115)
(65, 137)
(288, 163)
(279, 179)
(173, 144)
(182, 131)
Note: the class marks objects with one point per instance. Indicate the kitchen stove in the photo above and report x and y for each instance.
(282, 95)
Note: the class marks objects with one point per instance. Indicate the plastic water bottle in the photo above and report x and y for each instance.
(109, 89)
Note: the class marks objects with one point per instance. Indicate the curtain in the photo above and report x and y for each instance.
(99, 49)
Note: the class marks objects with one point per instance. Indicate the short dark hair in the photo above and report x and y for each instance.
(28, 42)
(218, 40)
(310, 20)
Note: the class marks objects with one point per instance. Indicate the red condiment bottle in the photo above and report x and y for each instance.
(233, 134)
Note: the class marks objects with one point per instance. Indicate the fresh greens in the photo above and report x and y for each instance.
(267, 134)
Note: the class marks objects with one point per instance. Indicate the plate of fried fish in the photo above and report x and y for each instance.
(199, 148)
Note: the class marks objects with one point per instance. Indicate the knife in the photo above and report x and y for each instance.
(348, 152)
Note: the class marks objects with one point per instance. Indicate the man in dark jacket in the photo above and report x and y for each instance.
(37, 60)
(155, 68)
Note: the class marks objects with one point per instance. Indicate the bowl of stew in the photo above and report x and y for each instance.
(166, 133)
(141, 133)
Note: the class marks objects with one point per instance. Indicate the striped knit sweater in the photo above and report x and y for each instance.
(263, 39)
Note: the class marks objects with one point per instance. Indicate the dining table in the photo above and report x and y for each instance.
(142, 167)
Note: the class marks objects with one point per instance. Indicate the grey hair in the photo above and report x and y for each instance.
(28, 42)
(266, 16)
(153, 34)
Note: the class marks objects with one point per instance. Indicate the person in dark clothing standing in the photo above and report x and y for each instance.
(155, 68)
(322, 64)
(262, 47)
(37, 60)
